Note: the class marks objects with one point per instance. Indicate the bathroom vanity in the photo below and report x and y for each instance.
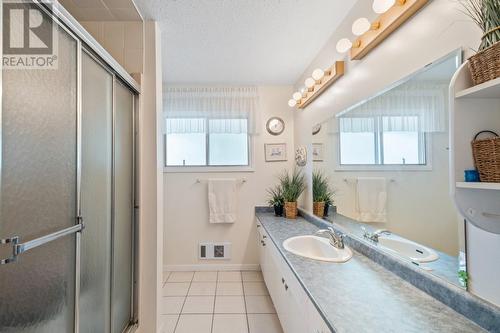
(358, 295)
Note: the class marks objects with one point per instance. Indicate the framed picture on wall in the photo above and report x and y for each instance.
(275, 152)
(317, 152)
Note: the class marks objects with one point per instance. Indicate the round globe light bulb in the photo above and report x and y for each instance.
(318, 74)
(310, 82)
(303, 91)
(343, 45)
(297, 96)
(360, 26)
(381, 6)
(292, 103)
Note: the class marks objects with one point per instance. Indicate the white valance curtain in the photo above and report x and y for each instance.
(221, 109)
(414, 106)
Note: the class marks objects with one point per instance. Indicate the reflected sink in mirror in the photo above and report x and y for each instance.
(409, 249)
(317, 248)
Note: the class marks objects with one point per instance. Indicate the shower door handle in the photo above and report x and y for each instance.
(19, 248)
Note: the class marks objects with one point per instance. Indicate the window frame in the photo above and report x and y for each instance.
(424, 139)
(208, 168)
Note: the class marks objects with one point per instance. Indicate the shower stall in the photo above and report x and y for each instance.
(67, 184)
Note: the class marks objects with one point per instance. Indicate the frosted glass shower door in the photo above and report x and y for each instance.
(95, 258)
(38, 193)
(121, 298)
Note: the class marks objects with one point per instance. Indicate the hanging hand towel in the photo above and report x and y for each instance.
(371, 199)
(222, 200)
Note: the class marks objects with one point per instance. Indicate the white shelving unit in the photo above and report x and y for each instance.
(479, 186)
(490, 89)
(473, 109)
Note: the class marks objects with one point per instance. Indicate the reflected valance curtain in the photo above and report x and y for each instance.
(414, 106)
(226, 109)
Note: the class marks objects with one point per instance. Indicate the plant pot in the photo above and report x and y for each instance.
(319, 208)
(278, 210)
(328, 211)
(485, 65)
(291, 210)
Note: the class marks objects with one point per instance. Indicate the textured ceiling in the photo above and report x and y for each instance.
(242, 41)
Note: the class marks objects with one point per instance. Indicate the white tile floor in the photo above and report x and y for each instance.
(217, 302)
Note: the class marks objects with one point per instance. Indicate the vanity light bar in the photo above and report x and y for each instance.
(384, 25)
(331, 75)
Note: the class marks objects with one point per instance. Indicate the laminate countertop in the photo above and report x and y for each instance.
(359, 295)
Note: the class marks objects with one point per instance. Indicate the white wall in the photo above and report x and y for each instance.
(150, 185)
(186, 204)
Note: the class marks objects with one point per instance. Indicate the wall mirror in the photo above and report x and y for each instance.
(385, 163)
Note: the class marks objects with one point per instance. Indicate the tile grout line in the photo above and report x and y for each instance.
(215, 298)
(245, 302)
(182, 307)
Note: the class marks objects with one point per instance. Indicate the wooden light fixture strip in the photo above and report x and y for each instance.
(332, 74)
(384, 25)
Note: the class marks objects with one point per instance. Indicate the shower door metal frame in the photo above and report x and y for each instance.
(66, 22)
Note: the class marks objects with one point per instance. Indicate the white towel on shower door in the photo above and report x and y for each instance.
(222, 200)
(371, 199)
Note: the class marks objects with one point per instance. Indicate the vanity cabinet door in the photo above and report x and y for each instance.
(294, 299)
(287, 294)
(263, 246)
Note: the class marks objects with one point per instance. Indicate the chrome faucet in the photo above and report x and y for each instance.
(373, 236)
(336, 240)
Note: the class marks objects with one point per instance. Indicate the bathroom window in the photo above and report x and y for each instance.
(205, 142)
(382, 140)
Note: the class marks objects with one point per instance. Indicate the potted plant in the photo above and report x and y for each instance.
(276, 199)
(329, 203)
(293, 186)
(485, 64)
(320, 192)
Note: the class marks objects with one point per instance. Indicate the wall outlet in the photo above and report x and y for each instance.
(210, 250)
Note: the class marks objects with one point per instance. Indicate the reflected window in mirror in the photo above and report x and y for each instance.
(382, 140)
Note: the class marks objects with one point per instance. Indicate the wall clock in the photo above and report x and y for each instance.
(275, 126)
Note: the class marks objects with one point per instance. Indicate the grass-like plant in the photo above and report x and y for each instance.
(276, 196)
(293, 185)
(321, 188)
(486, 14)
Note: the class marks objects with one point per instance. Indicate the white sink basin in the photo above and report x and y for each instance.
(317, 248)
(406, 248)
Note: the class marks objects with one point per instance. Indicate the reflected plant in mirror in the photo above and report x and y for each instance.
(387, 158)
(322, 194)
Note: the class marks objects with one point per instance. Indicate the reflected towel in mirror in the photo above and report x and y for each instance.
(371, 199)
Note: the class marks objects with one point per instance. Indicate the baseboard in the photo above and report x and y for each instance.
(212, 267)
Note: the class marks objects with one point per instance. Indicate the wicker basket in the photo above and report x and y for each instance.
(291, 210)
(319, 208)
(486, 154)
(485, 65)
